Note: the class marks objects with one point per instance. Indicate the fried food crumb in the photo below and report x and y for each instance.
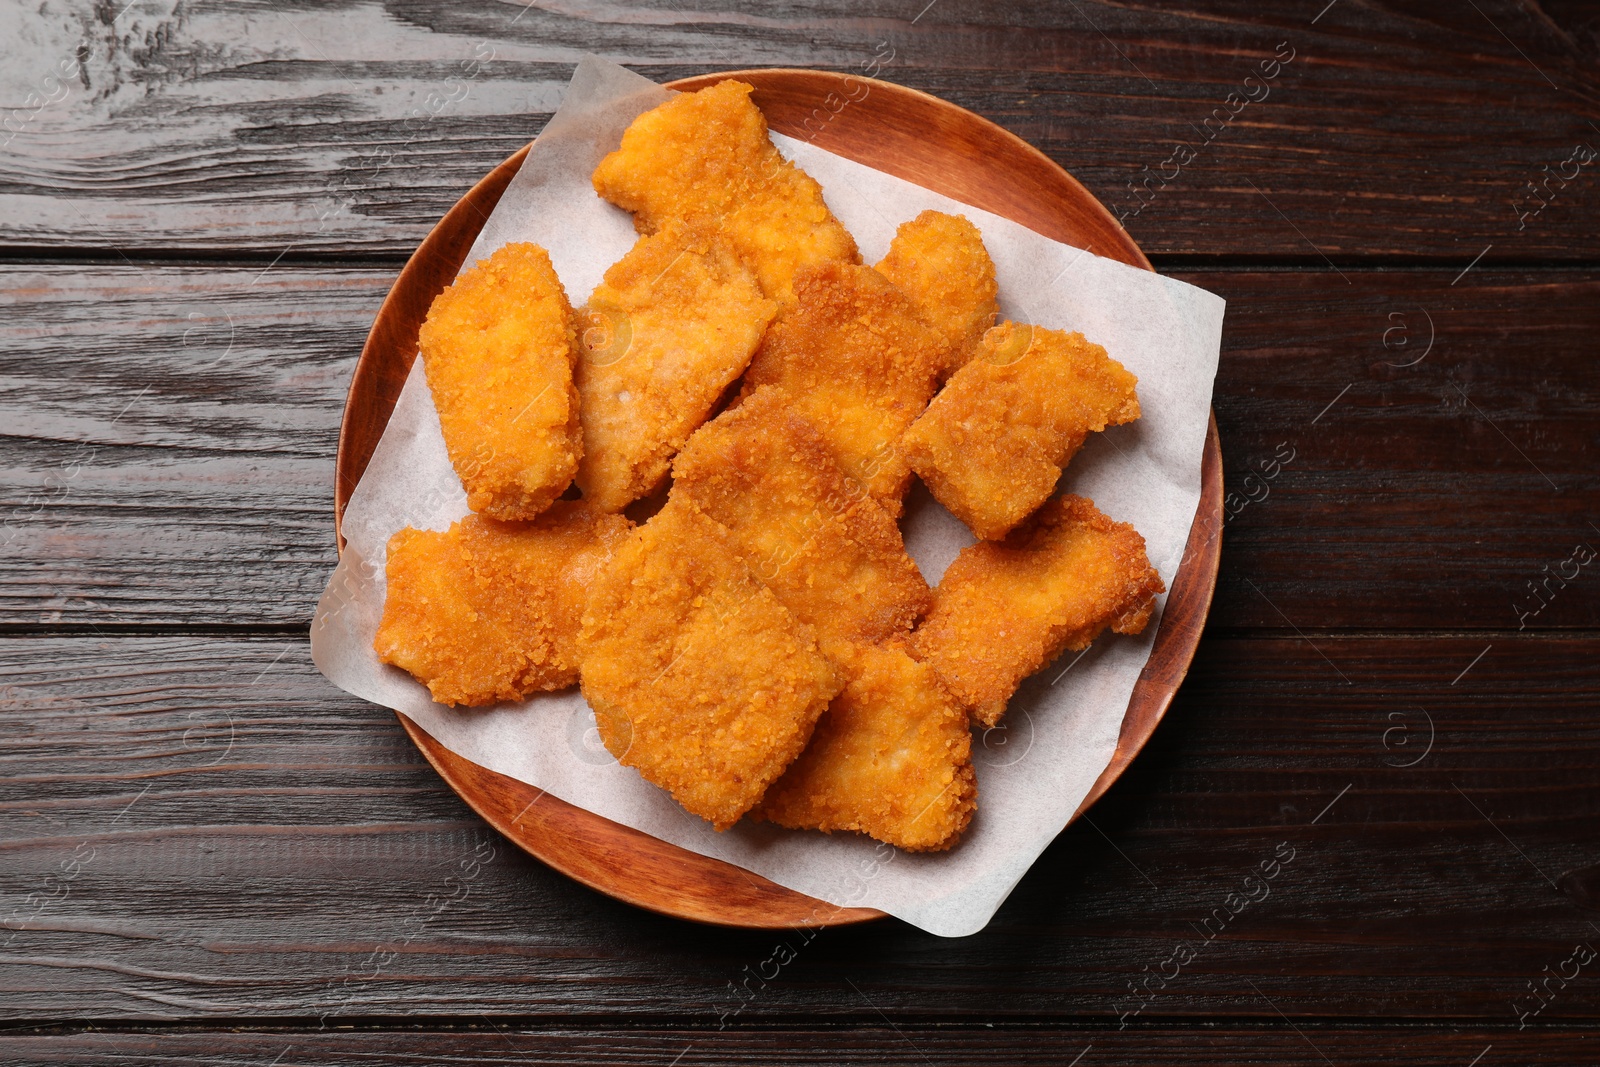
(992, 444)
(940, 263)
(806, 528)
(705, 158)
(892, 758)
(489, 611)
(1005, 609)
(497, 347)
(858, 364)
(698, 676)
(672, 325)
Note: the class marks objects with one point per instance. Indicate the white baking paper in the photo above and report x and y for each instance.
(1062, 728)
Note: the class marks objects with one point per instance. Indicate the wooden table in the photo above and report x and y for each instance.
(209, 854)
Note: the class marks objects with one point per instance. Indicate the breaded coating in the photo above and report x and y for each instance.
(705, 158)
(807, 529)
(698, 676)
(858, 364)
(672, 325)
(498, 350)
(892, 758)
(489, 611)
(1005, 609)
(992, 444)
(940, 263)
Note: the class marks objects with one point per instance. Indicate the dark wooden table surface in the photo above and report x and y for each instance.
(210, 854)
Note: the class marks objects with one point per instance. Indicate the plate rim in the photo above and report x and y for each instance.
(1202, 551)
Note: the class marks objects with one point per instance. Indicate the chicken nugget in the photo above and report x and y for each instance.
(992, 444)
(699, 678)
(488, 610)
(858, 364)
(705, 158)
(892, 758)
(940, 263)
(673, 323)
(806, 528)
(1005, 609)
(497, 347)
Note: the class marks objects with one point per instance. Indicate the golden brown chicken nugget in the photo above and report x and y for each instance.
(807, 529)
(489, 611)
(858, 364)
(672, 325)
(892, 758)
(992, 444)
(698, 676)
(1005, 609)
(940, 263)
(705, 158)
(498, 350)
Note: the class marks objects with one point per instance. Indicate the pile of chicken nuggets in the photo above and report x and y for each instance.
(686, 493)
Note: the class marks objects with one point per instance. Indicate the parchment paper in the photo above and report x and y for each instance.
(1062, 728)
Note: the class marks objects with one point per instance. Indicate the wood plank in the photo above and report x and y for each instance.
(169, 436)
(1445, 449)
(197, 827)
(498, 1042)
(1397, 131)
(169, 442)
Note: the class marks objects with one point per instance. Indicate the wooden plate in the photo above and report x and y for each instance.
(904, 132)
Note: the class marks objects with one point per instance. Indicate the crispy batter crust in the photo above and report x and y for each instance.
(858, 364)
(892, 758)
(1004, 609)
(940, 263)
(992, 444)
(698, 676)
(489, 611)
(672, 325)
(807, 529)
(705, 158)
(498, 350)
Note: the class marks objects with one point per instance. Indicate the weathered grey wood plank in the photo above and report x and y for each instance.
(169, 439)
(204, 828)
(167, 435)
(1382, 129)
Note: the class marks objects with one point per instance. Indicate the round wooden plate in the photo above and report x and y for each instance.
(906, 133)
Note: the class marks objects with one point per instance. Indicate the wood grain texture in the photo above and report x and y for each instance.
(252, 843)
(157, 468)
(1444, 451)
(1406, 130)
(172, 430)
(502, 1043)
